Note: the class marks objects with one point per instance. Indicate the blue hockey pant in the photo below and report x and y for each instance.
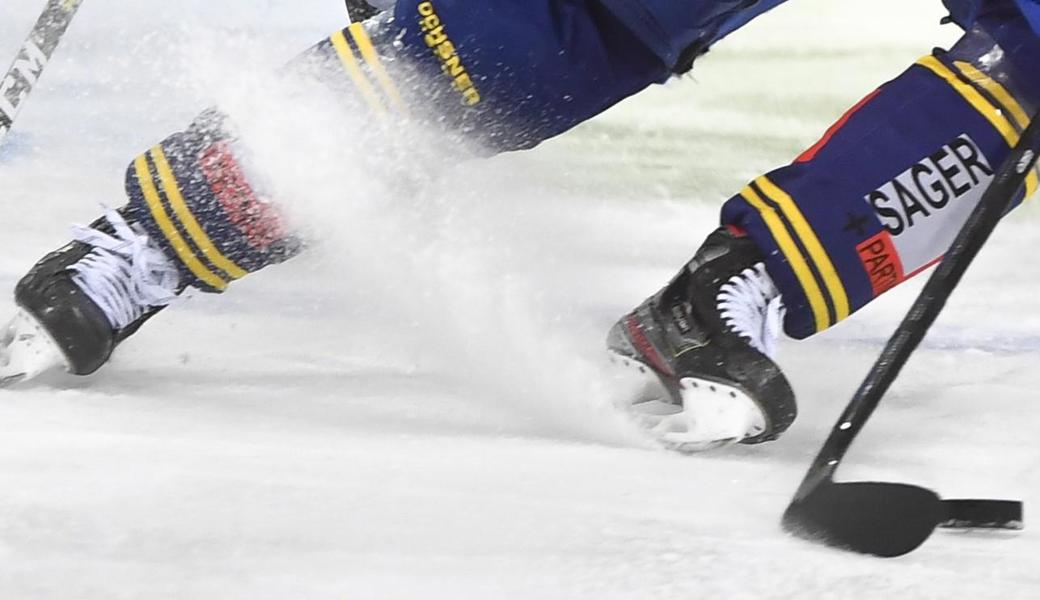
(875, 201)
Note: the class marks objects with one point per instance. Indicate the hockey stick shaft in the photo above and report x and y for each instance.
(33, 56)
(997, 200)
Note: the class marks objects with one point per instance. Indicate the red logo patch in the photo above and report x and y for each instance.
(258, 221)
(881, 261)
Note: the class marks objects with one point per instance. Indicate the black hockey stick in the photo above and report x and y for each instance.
(891, 519)
(34, 55)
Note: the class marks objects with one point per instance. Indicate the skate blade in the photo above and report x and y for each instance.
(26, 350)
(699, 415)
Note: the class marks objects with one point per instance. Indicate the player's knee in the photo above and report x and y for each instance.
(191, 194)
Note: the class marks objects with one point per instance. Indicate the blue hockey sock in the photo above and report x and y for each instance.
(882, 195)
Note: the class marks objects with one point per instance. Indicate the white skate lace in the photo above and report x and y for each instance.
(124, 274)
(750, 305)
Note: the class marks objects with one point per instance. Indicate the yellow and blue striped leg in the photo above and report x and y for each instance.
(881, 196)
(436, 64)
(192, 197)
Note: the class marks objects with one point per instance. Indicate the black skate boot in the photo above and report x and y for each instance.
(704, 345)
(79, 302)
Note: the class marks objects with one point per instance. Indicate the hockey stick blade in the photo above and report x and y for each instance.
(891, 519)
(883, 519)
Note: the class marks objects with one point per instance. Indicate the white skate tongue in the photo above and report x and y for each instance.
(26, 350)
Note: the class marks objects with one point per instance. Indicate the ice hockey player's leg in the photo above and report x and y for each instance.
(195, 218)
(881, 196)
(877, 200)
(705, 343)
(192, 219)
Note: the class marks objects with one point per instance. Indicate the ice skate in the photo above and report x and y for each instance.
(703, 348)
(79, 302)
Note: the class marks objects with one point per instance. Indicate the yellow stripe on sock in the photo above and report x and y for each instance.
(996, 90)
(368, 52)
(162, 219)
(350, 64)
(187, 219)
(1007, 102)
(991, 113)
(812, 244)
(801, 269)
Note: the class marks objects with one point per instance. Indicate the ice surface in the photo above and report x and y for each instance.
(415, 409)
